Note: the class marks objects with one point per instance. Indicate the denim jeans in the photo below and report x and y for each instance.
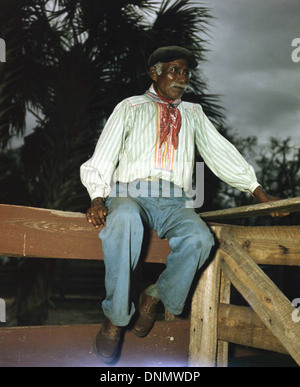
(189, 238)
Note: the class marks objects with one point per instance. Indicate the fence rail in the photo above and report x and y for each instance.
(267, 323)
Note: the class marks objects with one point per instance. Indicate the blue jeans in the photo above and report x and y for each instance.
(190, 243)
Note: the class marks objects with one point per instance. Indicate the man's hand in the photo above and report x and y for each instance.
(262, 197)
(97, 213)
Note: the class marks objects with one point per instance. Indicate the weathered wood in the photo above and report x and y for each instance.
(225, 289)
(43, 233)
(73, 346)
(271, 305)
(203, 330)
(281, 206)
(33, 232)
(170, 316)
(241, 325)
(224, 298)
(267, 245)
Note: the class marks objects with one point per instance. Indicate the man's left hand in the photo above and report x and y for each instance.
(263, 197)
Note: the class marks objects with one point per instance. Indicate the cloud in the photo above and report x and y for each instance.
(250, 65)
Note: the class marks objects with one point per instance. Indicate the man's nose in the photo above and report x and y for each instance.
(183, 78)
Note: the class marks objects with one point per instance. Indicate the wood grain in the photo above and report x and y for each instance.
(271, 305)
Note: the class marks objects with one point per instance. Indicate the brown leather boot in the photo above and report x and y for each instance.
(146, 315)
(107, 341)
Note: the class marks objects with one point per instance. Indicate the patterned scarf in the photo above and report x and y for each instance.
(170, 117)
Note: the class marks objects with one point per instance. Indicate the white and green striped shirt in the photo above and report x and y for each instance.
(128, 150)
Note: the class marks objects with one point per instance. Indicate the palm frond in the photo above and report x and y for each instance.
(80, 58)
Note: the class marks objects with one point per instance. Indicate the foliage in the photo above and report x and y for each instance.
(69, 62)
(79, 59)
(280, 168)
(277, 166)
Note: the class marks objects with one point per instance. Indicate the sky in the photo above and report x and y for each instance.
(251, 65)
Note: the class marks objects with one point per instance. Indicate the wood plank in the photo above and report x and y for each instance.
(271, 305)
(224, 298)
(261, 209)
(170, 316)
(73, 346)
(267, 245)
(203, 331)
(45, 233)
(241, 325)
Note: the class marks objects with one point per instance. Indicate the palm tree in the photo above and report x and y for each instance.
(79, 58)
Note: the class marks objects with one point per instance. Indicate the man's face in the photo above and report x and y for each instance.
(172, 82)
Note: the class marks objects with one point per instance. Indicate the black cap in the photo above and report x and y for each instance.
(170, 53)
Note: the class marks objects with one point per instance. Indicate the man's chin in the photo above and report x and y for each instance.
(177, 91)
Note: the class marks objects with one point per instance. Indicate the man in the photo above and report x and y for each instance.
(150, 139)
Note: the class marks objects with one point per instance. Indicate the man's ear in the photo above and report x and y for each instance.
(153, 73)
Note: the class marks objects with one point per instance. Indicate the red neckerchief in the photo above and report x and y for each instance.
(170, 117)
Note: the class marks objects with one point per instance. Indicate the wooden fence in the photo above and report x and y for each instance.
(267, 323)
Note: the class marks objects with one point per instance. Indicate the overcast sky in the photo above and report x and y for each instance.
(250, 64)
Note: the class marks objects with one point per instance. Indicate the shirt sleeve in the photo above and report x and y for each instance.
(96, 173)
(222, 157)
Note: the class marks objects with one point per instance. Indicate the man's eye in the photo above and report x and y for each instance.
(175, 70)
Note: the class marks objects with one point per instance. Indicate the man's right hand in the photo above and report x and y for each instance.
(97, 213)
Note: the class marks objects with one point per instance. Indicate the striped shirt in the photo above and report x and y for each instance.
(128, 150)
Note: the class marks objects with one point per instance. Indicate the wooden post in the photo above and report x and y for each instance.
(170, 316)
(204, 312)
(271, 305)
(222, 349)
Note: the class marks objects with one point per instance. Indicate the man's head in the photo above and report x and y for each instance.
(170, 70)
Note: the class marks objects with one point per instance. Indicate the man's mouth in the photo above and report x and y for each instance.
(179, 86)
